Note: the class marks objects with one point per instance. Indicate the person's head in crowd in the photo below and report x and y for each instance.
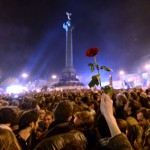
(84, 103)
(35, 105)
(144, 102)
(5, 103)
(41, 129)
(7, 116)
(42, 113)
(96, 97)
(131, 107)
(134, 95)
(143, 94)
(121, 100)
(48, 118)
(28, 119)
(84, 100)
(94, 105)
(76, 107)
(8, 140)
(43, 98)
(63, 111)
(83, 119)
(147, 91)
(14, 124)
(126, 93)
(16, 109)
(15, 103)
(143, 117)
(89, 106)
(25, 106)
(122, 124)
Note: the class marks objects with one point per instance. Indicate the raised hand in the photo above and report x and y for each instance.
(106, 105)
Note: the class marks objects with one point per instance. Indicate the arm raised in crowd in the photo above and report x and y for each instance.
(106, 108)
(118, 140)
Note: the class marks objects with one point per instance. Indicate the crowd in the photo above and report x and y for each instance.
(76, 120)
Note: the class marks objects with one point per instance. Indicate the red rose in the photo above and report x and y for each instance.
(91, 52)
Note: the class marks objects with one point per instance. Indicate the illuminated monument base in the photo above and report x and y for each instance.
(68, 78)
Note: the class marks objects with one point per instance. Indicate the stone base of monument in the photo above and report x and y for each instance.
(68, 78)
(68, 83)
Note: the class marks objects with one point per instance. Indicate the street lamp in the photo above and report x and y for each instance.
(121, 73)
(54, 79)
(24, 75)
(54, 76)
(147, 66)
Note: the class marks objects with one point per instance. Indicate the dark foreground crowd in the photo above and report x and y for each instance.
(76, 120)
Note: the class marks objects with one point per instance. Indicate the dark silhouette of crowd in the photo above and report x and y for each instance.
(76, 120)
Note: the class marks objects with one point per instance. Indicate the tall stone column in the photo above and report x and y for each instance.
(69, 50)
(69, 72)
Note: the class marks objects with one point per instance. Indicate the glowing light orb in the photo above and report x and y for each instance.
(24, 75)
(54, 76)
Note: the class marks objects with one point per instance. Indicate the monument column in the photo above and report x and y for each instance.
(69, 73)
(69, 50)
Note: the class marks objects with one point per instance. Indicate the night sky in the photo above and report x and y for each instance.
(32, 38)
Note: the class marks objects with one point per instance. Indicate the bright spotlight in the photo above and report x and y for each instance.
(147, 66)
(54, 76)
(24, 75)
(121, 72)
